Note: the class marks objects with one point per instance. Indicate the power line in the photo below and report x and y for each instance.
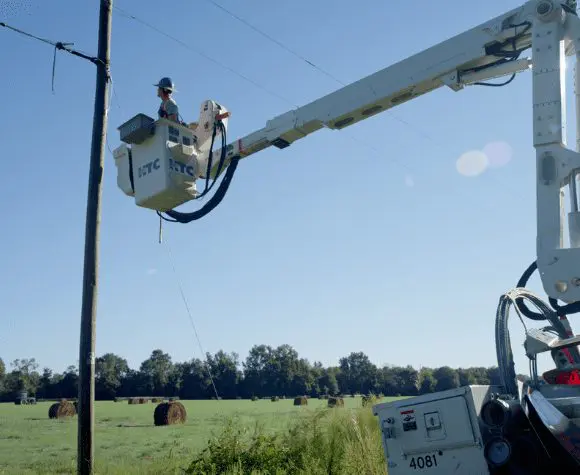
(274, 40)
(87, 341)
(66, 47)
(330, 75)
(130, 16)
(58, 46)
(286, 100)
(191, 321)
(307, 61)
(201, 53)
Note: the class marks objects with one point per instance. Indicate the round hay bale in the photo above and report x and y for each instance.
(335, 402)
(133, 400)
(143, 400)
(60, 410)
(300, 401)
(254, 398)
(275, 398)
(169, 413)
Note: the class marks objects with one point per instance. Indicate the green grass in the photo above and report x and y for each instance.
(127, 442)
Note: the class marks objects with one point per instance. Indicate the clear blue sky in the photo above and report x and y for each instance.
(332, 245)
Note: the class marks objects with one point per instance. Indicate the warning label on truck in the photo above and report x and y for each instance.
(409, 420)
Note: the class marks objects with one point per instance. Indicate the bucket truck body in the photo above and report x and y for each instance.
(161, 162)
(165, 158)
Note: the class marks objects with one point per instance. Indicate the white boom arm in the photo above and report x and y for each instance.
(449, 63)
(490, 50)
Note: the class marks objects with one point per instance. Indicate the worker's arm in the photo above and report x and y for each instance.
(172, 110)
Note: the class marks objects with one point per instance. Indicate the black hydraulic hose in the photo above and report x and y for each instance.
(213, 201)
(517, 297)
(505, 360)
(181, 217)
(504, 353)
(520, 301)
(560, 310)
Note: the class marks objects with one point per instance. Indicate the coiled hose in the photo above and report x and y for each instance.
(505, 359)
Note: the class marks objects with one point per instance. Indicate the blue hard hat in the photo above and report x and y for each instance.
(166, 83)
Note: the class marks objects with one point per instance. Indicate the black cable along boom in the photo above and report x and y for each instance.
(516, 297)
(182, 217)
(498, 50)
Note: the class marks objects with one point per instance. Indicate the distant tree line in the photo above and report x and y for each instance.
(266, 372)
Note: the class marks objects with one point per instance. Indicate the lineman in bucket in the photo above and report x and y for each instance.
(168, 108)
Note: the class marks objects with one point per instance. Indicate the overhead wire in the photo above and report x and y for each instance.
(393, 115)
(199, 52)
(131, 16)
(310, 63)
(58, 46)
(66, 47)
(112, 93)
(184, 299)
(504, 355)
(274, 40)
(203, 355)
(517, 296)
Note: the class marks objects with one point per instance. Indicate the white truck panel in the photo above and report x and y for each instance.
(438, 433)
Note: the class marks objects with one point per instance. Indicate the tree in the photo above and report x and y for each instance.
(2, 376)
(427, 381)
(135, 384)
(480, 375)
(196, 383)
(407, 380)
(447, 378)
(156, 371)
(45, 385)
(23, 377)
(224, 371)
(267, 371)
(303, 381)
(494, 376)
(326, 382)
(286, 372)
(256, 378)
(110, 370)
(466, 377)
(68, 386)
(357, 373)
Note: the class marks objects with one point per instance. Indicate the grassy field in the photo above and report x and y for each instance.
(127, 442)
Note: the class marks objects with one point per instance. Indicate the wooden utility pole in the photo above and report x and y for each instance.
(86, 399)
